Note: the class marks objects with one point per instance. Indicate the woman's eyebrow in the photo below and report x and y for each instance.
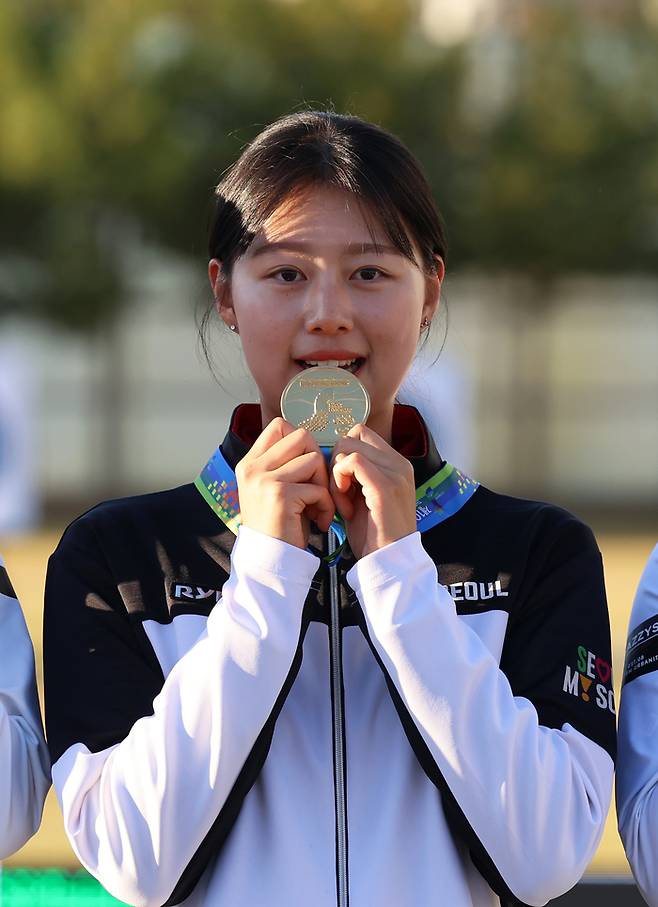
(262, 247)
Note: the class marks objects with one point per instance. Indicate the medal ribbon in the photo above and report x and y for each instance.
(439, 498)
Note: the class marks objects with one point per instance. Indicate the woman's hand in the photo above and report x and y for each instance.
(374, 490)
(283, 484)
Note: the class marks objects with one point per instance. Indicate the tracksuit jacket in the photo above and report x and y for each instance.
(24, 764)
(193, 729)
(637, 772)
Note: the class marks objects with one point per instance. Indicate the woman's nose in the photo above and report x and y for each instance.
(329, 308)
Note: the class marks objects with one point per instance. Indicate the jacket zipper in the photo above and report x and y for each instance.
(338, 730)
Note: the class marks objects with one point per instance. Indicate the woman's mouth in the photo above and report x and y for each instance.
(350, 365)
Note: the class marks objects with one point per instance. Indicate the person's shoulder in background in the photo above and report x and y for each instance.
(637, 767)
(24, 763)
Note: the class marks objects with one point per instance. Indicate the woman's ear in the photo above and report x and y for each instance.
(221, 292)
(433, 284)
(216, 277)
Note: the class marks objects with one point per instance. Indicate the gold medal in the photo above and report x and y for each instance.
(325, 401)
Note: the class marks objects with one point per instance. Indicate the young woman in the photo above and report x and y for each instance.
(221, 731)
(24, 764)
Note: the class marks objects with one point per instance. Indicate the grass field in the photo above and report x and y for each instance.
(26, 557)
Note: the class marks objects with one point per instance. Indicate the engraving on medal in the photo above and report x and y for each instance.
(325, 401)
(324, 382)
(327, 410)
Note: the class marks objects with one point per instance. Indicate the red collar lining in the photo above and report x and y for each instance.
(409, 436)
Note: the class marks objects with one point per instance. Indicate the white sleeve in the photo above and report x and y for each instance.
(137, 812)
(532, 799)
(637, 762)
(24, 764)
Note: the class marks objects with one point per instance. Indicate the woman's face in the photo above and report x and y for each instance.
(312, 289)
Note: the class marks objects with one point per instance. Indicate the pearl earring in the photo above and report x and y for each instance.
(232, 327)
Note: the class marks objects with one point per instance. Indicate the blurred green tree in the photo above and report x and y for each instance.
(561, 175)
(558, 174)
(539, 135)
(116, 119)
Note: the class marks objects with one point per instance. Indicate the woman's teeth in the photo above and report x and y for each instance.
(333, 363)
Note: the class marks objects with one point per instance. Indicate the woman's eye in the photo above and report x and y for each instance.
(368, 274)
(288, 275)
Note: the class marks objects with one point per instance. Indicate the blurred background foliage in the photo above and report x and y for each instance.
(539, 131)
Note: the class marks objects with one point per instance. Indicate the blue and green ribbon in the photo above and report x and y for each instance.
(437, 499)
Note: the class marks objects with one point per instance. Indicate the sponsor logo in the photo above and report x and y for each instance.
(471, 591)
(642, 650)
(184, 593)
(644, 633)
(590, 679)
(459, 580)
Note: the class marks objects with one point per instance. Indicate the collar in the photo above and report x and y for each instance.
(439, 494)
(409, 436)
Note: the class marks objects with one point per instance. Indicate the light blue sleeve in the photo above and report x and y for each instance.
(637, 764)
(24, 763)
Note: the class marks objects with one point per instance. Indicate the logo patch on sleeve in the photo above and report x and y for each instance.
(459, 579)
(188, 594)
(641, 650)
(590, 679)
